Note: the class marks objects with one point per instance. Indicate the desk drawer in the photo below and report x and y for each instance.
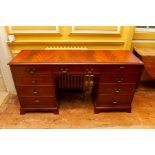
(124, 69)
(31, 70)
(36, 90)
(114, 100)
(116, 78)
(84, 69)
(34, 80)
(37, 102)
(110, 88)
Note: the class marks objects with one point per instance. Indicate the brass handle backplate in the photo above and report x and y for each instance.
(64, 70)
(121, 68)
(36, 101)
(116, 90)
(119, 80)
(31, 70)
(89, 70)
(114, 101)
(35, 92)
(34, 81)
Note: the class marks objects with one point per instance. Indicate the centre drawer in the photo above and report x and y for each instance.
(114, 100)
(37, 102)
(36, 90)
(114, 88)
(76, 69)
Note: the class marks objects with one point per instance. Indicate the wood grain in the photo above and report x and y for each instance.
(74, 57)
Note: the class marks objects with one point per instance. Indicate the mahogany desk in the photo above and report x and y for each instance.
(116, 75)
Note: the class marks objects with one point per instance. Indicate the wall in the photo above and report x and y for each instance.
(70, 37)
(5, 57)
(144, 39)
(2, 86)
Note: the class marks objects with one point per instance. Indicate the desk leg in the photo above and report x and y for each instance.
(22, 111)
(56, 111)
(96, 111)
(95, 93)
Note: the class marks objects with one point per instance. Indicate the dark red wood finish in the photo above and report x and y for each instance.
(116, 72)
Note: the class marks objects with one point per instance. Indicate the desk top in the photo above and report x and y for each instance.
(143, 51)
(50, 57)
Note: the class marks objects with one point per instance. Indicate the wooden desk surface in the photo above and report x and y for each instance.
(50, 57)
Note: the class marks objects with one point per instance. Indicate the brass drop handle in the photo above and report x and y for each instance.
(35, 92)
(64, 70)
(36, 101)
(114, 101)
(121, 67)
(116, 90)
(34, 81)
(89, 71)
(119, 80)
(32, 70)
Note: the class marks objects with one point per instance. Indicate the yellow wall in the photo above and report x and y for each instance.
(69, 37)
(144, 39)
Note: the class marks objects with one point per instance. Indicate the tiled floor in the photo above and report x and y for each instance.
(78, 114)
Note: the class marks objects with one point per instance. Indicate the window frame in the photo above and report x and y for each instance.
(147, 29)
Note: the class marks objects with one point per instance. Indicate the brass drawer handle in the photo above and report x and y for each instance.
(121, 67)
(34, 81)
(119, 80)
(114, 101)
(64, 70)
(32, 70)
(36, 101)
(89, 71)
(35, 92)
(116, 90)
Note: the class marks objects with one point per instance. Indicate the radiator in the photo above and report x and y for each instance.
(71, 81)
(75, 83)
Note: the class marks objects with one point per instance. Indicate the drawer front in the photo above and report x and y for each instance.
(124, 69)
(115, 78)
(111, 88)
(35, 80)
(88, 69)
(114, 100)
(37, 102)
(31, 70)
(36, 90)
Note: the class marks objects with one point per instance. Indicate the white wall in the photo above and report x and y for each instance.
(5, 57)
(2, 86)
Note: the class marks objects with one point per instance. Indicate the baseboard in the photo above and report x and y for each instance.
(4, 96)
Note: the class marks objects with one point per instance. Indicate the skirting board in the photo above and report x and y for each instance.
(4, 96)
